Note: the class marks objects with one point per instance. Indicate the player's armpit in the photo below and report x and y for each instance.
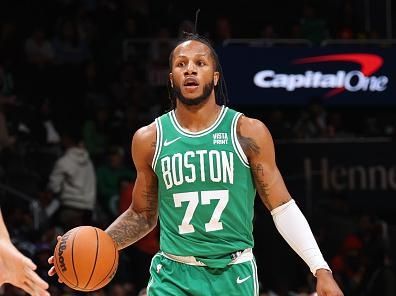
(256, 141)
(141, 217)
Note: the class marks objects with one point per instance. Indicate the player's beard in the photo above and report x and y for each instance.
(207, 90)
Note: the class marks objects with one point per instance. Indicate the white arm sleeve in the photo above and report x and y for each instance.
(294, 228)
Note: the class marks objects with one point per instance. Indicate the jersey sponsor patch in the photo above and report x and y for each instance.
(220, 138)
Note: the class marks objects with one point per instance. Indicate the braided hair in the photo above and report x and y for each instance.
(220, 89)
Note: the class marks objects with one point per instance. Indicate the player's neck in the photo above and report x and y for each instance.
(197, 118)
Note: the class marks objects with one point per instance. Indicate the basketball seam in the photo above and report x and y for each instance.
(74, 268)
(111, 269)
(96, 258)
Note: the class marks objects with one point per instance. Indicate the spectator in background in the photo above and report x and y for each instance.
(85, 24)
(44, 127)
(93, 86)
(128, 88)
(158, 67)
(40, 57)
(6, 140)
(121, 47)
(73, 180)
(383, 278)
(69, 47)
(9, 44)
(313, 27)
(346, 22)
(312, 123)
(336, 126)
(222, 31)
(117, 290)
(7, 97)
(295, 31)
(109, 176)
(7, 91)
(143, 292)
(268, 32)
(96, 133)
(349, 266)
(279, 125)
(39, 51)
(345, 33)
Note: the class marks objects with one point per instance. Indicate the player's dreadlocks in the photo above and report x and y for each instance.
(220, 89)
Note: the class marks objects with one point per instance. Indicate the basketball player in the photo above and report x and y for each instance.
(17, 269)
(198, 169)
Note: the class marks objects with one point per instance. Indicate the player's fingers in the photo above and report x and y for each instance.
(52, 271)
(51, 260)
(29, 263)
(37, 281)
(59, 237)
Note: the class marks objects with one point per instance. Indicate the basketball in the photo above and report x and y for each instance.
(86, 258)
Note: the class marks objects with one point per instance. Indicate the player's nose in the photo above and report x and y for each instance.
(190, 69)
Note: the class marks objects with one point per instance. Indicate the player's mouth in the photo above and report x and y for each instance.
(191, 84)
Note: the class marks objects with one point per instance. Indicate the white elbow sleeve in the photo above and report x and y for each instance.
(294, 228)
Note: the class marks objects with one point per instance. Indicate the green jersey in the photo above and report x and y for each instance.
(206, 189)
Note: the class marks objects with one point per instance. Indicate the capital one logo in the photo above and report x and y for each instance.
(353, 81)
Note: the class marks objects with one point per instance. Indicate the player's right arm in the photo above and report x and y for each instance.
(141, 216)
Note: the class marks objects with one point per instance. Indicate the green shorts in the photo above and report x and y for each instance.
(169, 277)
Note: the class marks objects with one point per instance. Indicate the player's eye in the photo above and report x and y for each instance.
(201, 63)
(180, 64)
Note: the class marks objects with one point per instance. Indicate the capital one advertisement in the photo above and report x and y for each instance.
(347, 75)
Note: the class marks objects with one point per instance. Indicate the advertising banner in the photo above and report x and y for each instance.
(284, 75)
(362, 172)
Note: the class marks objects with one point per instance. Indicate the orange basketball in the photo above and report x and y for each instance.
(86, 258)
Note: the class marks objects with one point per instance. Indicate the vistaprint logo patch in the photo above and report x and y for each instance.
(220, 138)
(361, 79)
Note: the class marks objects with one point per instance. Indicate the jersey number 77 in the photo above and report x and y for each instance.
(193, 200)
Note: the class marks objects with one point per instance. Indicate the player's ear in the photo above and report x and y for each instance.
(216, 76)
(171, 79)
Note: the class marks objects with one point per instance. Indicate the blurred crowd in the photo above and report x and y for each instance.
(77, 78)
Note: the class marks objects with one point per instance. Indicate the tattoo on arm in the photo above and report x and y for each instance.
(150, 194)
(128, 228)
(153, 144)
(261, 186)
(248, 145)
(134, 224)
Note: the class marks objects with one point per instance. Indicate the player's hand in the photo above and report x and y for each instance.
(326, 285)
(19, 271)
(51, 271)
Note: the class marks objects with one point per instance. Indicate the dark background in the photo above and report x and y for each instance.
(101, 72)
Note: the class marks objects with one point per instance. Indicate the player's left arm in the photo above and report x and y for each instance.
(256, 141)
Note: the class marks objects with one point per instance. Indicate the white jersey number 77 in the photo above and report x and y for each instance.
(192, 198)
